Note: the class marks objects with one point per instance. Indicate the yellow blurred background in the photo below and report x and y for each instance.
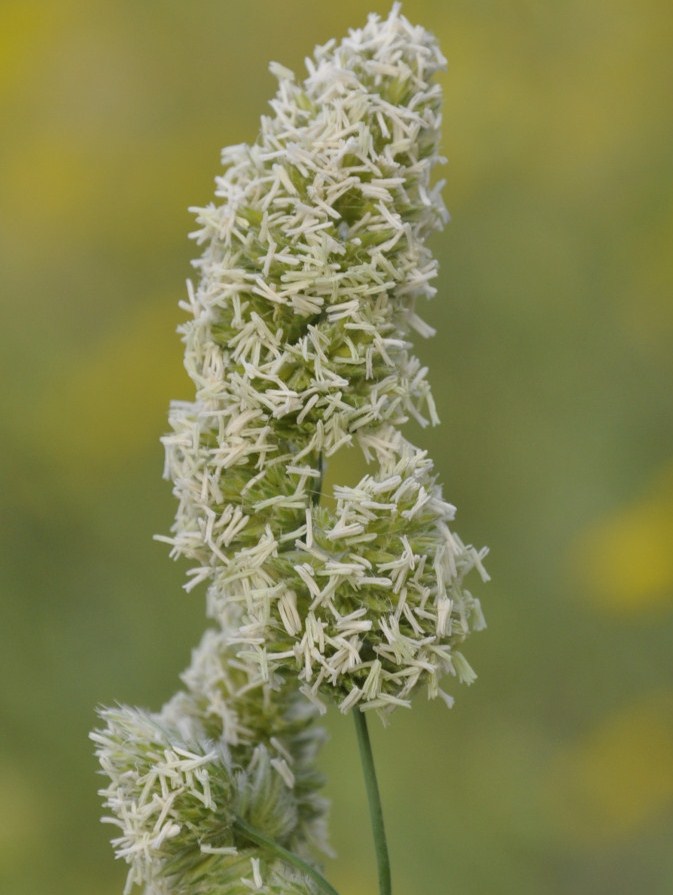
(552, 370)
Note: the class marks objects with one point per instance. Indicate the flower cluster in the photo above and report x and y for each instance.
(299, 347)
(228, 748)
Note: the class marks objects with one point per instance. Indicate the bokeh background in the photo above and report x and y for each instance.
(552, 369)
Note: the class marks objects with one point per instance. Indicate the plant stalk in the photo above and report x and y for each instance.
(253, 835)
(374, 799)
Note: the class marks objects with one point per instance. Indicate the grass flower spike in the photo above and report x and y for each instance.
(299, 347)
(314, 258)
(223, 758)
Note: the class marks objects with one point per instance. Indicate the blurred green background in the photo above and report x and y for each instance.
(552, 370)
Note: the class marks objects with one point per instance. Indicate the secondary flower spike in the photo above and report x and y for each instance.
(227, 749)
(314, 258)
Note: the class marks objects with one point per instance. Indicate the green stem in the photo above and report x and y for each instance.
(374, 799)
(253, 835)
